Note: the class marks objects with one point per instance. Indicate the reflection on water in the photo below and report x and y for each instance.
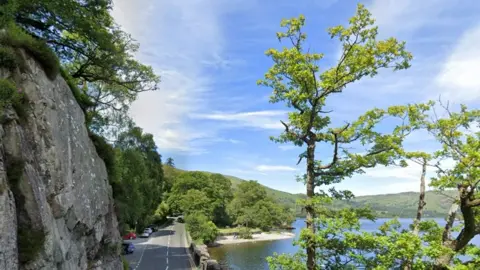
(252, 255)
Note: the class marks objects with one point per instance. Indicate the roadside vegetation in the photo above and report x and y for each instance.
(208, 202)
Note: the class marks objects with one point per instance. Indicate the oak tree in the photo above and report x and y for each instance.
(296, 80)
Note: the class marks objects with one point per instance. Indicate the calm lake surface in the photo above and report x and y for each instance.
(251, 256)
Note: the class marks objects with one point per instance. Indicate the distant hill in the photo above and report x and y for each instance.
(404, 204)
(386, 205)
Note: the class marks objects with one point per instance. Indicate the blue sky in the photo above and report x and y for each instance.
(210, 115)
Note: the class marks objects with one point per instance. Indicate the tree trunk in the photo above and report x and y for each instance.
(421, 204)
(421, 199)
(443, 261)
(467, 233)
(309, 209)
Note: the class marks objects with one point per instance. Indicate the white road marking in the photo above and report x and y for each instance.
(140, 260)
(168, 249)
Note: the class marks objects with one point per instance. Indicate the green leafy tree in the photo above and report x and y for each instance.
(460, 142)
(97, 56)
(427, 245)
(138, 184)
(170, 162)
(251, 207)
(201, 228)
(209, 194)
(295, 80)
(223, 194)
(196, 201)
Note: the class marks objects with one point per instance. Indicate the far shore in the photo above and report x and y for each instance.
(228, 239)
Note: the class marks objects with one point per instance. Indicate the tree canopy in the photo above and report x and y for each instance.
(296, 81)
(333, 238)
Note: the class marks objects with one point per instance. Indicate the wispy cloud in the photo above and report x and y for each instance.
(274, 168)
(411, 14)
(459, 76)
(181, 41)
(268, 119)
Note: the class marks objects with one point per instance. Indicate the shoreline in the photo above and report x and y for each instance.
(229, 240)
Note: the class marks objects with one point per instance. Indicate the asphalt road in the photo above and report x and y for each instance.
(165, 249)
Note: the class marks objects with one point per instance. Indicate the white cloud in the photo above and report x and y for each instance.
(286, 147)
(274, 168)
(459, 76)
(412, 172)
(257, 119)
(407, 15)
(178, 39)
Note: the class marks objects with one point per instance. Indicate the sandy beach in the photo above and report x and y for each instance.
(225, 240)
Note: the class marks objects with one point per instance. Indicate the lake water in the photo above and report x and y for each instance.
(251, 256)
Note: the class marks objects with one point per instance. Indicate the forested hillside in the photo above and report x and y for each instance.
(386, 205)
(404, 204)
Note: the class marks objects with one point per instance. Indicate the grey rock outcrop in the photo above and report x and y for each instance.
(59, 208)
(202, 259)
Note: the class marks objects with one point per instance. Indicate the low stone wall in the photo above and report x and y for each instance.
(202, 259)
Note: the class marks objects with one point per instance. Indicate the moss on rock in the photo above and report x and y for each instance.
(7, 91)
(16, 37)
(82, 98)
(8, 58)
(15, 167)
(105, 151)
(30, 243)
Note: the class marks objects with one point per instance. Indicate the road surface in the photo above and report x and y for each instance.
(163, 250)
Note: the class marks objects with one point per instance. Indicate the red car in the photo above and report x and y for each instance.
(130, 235)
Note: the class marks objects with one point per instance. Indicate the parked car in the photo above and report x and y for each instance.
(146, 233)
(130, 236)
(128, 248)
(153, 227)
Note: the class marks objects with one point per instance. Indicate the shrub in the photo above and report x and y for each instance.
(8, 58)
(9, 94)
(126, 265)
(105, 151)
(7, 91)
(30, 243)
(82, 99)
(17, 38)
(200, 228)
(245, 233)
(210, 232)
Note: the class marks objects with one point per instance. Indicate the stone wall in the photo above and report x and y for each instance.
(202, 259)
(56, 206)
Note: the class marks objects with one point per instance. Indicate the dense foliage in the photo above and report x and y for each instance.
(332, 239)
(251, 207)
(205, 197)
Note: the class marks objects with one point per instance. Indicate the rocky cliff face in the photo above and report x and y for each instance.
(56, 206)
